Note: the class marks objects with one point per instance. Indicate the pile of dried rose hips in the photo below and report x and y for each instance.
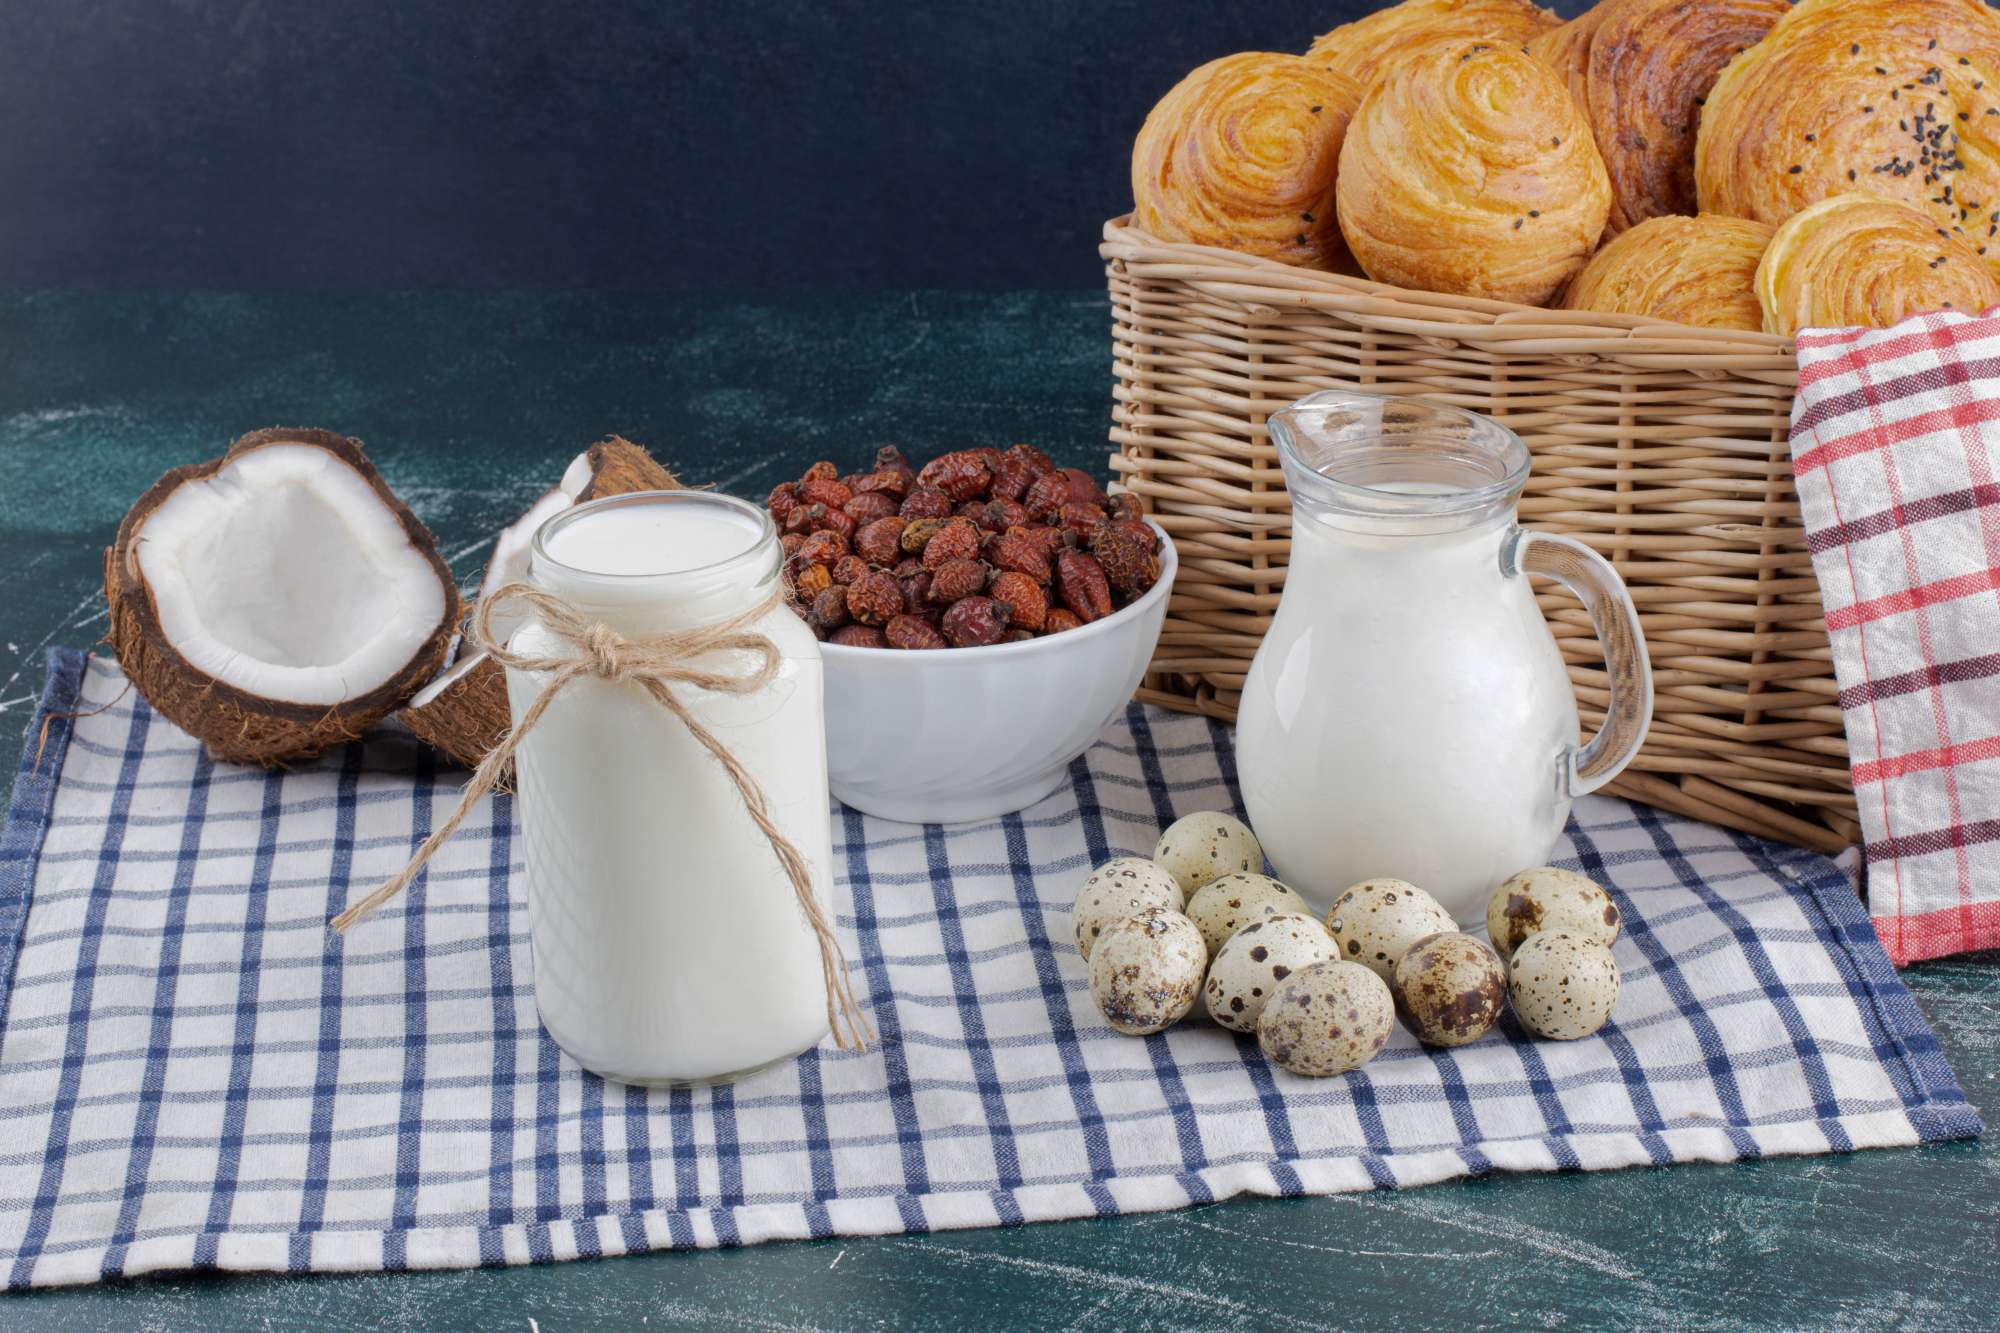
(982, 546)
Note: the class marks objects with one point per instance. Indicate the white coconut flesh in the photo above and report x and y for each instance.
(285, 575)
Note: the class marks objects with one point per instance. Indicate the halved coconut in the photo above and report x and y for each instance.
(279, 599)
(464, 711)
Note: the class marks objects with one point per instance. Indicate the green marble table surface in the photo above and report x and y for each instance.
(471, 404)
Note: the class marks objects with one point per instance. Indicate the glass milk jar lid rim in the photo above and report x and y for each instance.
(760, 534)
(1480, 444)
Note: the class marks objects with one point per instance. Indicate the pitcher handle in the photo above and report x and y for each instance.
(1592, 581)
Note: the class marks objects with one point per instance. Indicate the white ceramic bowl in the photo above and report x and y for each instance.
(956, 734)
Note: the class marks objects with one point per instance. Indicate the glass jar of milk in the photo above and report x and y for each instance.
(1408, 714)
(670, 946)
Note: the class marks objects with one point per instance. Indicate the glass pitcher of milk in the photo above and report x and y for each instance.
(1408, 713)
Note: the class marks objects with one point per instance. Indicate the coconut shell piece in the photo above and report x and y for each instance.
(235, 723)
(463, 713)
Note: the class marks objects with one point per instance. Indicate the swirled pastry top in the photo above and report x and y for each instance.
(1640, 69)
(1242, 153)
(1863, 97)
(1470, 170)
(1698, 270)
(1856, 259)
(1364, 48)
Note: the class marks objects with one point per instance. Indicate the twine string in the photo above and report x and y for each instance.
(656, 663)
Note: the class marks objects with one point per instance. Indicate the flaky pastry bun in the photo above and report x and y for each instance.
(1364, 48)
(1698, 270)
(1856, 260)
(1640, 69)
(1873, 103)
(1470, 170)
(1242, 153)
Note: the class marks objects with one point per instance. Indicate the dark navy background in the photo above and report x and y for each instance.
(510, 143)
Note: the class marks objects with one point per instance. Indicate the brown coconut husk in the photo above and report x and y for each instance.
(235, 725)
(469, 716)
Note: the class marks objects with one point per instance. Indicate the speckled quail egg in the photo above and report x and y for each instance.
(1449, 988)
(1120, 888)
(1253, 961)
(1327, 1019)
(1224, 906)
(1146, 970)
(1377, 920)
(1563, 986)
(1548, 898)
(1200, 847)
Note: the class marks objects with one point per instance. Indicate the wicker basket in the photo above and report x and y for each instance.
(1661, 446)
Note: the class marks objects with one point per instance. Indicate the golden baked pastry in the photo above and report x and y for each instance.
(1855, 259)
(1470, 170)
(1859, 95)
(1364, 48)
(1640, 69)
(1242, 154)
(1698, 270)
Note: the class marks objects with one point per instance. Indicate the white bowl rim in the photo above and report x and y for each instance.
(1169, 565)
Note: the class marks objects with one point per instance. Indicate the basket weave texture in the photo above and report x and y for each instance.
(1662, 447)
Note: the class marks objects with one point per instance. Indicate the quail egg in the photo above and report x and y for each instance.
(1548, 898)
(1450, 989)
(1146, 970)
(1327, 1019)
(1251, 963)
(1224, 906)
(1563, 986)
(1117, 889)
(1377, 920)
(1200, 847)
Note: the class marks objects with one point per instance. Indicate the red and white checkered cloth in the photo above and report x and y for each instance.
(1896, 446)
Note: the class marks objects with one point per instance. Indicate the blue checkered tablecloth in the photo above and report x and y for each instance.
(195, 1073)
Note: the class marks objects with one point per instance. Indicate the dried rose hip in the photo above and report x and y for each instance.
(1028, 456)
(858, 636)
(782, 500)
(824, 548)
(974, 622)
(879, 542)
(988, 455)
(956, 540)
(1060, 619)
(805, 579)
(916, 589)
(907, 566)
(848, 569)
(875, 598)
(917, 534)
(1030, 602)
(834, 520)
(1000, 515)
(832, 494)
(1018, 549)
(1079, 518)
(791, 542)
(803, 518)
(1083, 488)
(891, 483)
(913, 632)
(868, 506)
(1010, 480)
(1081, 584)
(888, 457)
(1048, 494)
(829, 610)
(821, 471)
(955, 579)
(1127, 551)
(961, 474)
(923, 502)
(1126, 505)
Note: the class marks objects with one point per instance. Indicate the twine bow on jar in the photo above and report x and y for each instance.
(655, 663)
